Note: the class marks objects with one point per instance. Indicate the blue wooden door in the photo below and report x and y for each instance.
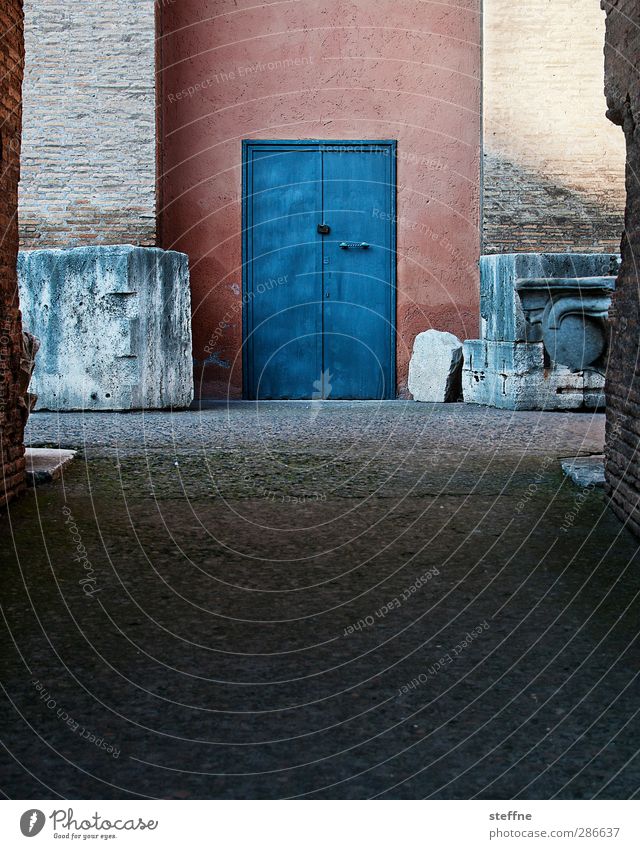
(319, 270)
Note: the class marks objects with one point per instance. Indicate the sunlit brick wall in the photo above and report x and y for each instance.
(553, 164)
(88, 167)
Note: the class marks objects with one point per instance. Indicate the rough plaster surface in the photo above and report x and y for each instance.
(622, 58)
(435, 367)
(88, 166)
(553, 167)
(11, 413)
(330, 70)
(115, 327)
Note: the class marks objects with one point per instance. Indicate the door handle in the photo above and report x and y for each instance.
(363, 245)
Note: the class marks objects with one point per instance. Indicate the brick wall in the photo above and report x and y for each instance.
(553, 165)
(88, 165)
(622, 54)
(11, 424)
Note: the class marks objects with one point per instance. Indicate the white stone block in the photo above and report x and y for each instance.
(436, 367)
(115, 327)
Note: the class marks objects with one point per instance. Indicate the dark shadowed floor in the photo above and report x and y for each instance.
(319, 599)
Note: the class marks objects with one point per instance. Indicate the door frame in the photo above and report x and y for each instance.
(248, 145)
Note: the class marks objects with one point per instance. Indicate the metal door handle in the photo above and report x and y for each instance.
(362, 245)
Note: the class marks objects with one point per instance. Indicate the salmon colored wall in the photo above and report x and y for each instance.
(326, 69)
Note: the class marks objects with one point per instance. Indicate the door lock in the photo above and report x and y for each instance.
(324, 229)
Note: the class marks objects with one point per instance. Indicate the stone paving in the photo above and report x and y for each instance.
(319, 600)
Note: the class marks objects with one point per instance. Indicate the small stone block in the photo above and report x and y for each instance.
(435, 367)
(585, 471)
(45, 465)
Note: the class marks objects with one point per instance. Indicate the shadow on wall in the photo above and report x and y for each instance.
(524, 212)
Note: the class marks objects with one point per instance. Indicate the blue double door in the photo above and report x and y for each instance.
(319, 270)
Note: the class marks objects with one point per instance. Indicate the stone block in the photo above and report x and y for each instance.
(501, 312)
(435, 367)
(518, 357)
(514, 376)
(571, 313)
(115, 327)
(585, 471)
(45, 465)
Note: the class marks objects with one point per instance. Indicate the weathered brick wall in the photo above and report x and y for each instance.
(553, 165)
(622, 83)
(11, 424)
(88, 165)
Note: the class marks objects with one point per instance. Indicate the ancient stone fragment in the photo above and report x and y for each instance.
(115, 327)
(435, 370)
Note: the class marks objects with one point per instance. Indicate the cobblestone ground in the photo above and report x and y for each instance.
(319, 600)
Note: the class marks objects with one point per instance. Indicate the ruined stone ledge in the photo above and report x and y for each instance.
(45, 465)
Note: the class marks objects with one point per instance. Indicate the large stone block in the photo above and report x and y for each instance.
(501, 311)
(515, 376)
(115, 327)
(435, 367)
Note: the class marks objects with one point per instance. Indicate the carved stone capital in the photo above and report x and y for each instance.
(571, 314)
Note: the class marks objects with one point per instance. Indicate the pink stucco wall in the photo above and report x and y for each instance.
(328, 69)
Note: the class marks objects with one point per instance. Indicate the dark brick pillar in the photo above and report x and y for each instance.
(11, 412)
(622, 86)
